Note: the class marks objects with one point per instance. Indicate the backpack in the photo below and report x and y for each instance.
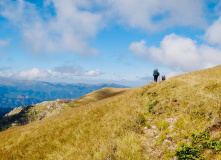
(163, 78)
(155, 73)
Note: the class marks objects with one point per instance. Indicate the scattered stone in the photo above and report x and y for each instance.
(167, 142)
(43, 115)
(150, 132)
(66, 100)
(157, 136)
(172, 122)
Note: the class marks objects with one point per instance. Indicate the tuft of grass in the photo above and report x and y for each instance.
(162, 124)
(151, 106)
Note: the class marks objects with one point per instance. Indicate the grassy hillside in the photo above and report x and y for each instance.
(179, 117)
(24, 115)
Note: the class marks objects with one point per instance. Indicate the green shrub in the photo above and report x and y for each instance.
(200, 142)
(212, 144)
(201, 138)
(188, 152)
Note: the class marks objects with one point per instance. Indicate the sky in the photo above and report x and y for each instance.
(107, 41)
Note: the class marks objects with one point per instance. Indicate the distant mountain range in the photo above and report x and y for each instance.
(15, 93)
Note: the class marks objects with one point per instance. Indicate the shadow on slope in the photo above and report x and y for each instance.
(20, 118)
(98, 95)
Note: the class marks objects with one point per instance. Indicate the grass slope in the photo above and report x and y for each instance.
(149, 122)
(24, 115)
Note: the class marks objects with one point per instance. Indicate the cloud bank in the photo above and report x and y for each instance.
(74, 70)
(157, 15)
(4, 43)
(178, 53)
(67, 30)
(69, 25)
(213, 33)
(69, 71)
(32, 74)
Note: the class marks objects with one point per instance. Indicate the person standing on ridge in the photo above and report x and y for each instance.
(155, 74)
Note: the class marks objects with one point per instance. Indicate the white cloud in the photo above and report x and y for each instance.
(211, 56)
(67, 30)
(65, 71)
(92, 73)
(32, 74)
(155, 15)
(213, 33)
(178, 53)
(5, 74)
(139, 48)
(74, 70)
(173, 73)
(5, 71)
(69, 25)
(4, 43)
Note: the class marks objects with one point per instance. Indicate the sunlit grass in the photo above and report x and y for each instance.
(99, 130)
(110, 123)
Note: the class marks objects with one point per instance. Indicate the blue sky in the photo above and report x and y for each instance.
(107, 41)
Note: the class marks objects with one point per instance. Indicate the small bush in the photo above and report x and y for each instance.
(201, 138)
(212, 144)
(188, 152)
(200, 142)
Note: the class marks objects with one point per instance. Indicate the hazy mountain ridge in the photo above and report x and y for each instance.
(15, 93)
(15, 102)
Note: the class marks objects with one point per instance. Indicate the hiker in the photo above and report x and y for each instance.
(163, 77)
(155, 74)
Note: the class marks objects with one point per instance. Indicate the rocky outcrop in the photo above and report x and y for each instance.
(24, 115)
(14, 111)
(66, 100)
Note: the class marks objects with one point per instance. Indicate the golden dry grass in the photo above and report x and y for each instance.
(116, 123)
(93, 131)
